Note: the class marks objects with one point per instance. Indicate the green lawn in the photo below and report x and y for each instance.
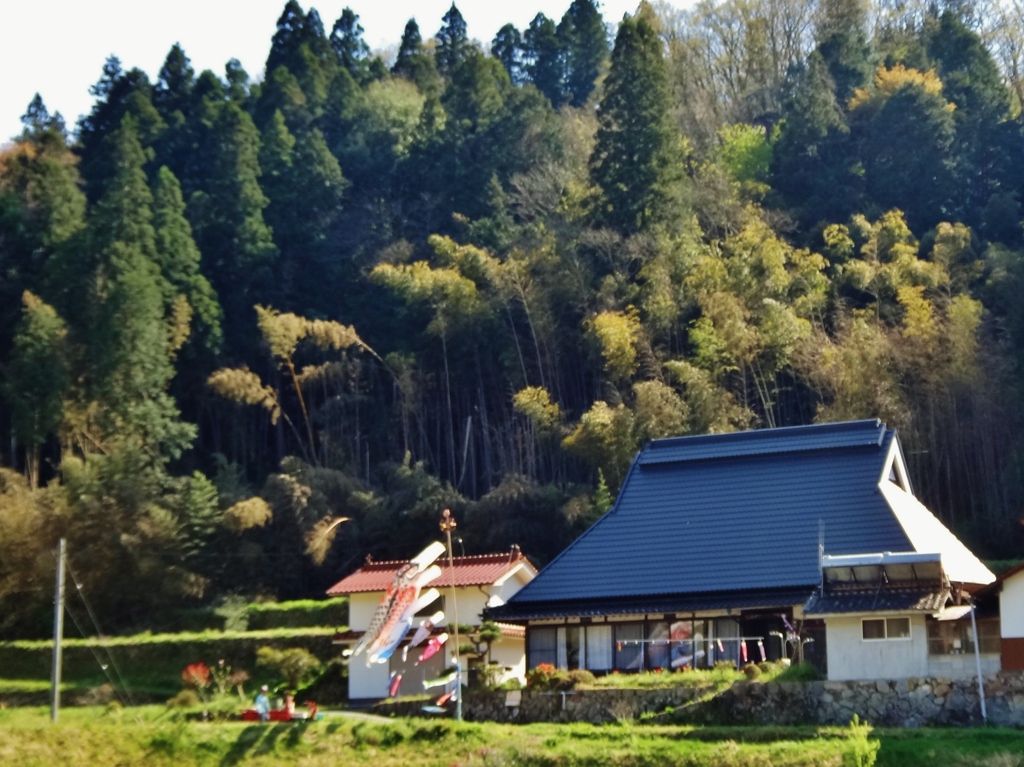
(155, 735)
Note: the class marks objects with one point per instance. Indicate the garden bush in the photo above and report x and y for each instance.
(752, 672)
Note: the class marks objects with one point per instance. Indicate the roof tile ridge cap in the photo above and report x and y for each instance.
(865, 424)
(496, 557)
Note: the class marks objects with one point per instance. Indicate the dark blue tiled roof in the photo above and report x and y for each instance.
(920, 599)
(732, 513)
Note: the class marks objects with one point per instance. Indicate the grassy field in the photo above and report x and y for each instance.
(151, 664)
(154, 735)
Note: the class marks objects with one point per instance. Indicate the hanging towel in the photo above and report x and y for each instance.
(760, 647)
(721, 647)
(396, 682)
(743, 651)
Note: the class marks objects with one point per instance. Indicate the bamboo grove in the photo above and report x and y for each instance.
(257, 327)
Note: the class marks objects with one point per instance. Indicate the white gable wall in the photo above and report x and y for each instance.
(927, 535)
(1011, 607)
(851, 657)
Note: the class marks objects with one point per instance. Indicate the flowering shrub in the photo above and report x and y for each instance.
(196, 676)
(540, 677)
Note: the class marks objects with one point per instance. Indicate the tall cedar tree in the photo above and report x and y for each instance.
(118, 93)
(843, 45)
(42, 213)
(36, 379)
(452, 41)
(227, 217)
(179, 261)
(544, 56)
(584, 38)
(983, 147)
(507, 47)
(637, 157)
(811, 158)
(348, 44)
(129, 344)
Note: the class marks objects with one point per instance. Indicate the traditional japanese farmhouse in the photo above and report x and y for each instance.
(486, 580)
(802, 542)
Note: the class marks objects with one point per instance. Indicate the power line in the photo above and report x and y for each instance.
(92, 649)
(99, 633)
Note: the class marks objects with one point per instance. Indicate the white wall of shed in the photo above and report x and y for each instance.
(1011, 607)
(850, 657)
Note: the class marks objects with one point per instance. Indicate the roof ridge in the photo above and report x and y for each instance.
(774, 431)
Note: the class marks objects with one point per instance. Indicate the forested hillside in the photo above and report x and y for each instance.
(237, 308)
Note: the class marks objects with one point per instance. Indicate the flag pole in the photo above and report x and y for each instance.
(447, 525)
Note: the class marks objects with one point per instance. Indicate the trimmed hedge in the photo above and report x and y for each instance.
(298, 614)
(155, 661)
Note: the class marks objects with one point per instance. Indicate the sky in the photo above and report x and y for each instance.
(57, 47)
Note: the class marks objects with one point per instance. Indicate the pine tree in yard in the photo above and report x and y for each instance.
(585, 39)
(637, 158)
(452, 41)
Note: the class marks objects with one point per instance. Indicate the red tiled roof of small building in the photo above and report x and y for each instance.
(479, 570)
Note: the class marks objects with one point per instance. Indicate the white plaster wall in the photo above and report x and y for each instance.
(1011, 606)
(367, 681)
(850, 657)
(471, 600)
(502, 592)
(510, 652)
(361, 608)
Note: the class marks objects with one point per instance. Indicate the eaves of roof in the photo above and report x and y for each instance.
(641, 605)
(923, 600)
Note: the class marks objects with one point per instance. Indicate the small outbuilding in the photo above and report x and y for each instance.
(486, 580)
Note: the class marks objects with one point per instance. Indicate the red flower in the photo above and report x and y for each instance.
(196, 676)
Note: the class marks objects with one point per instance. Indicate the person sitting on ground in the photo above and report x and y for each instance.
(263, 704)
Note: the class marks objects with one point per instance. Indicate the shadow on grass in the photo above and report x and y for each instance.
(295, 733)
(247, 739)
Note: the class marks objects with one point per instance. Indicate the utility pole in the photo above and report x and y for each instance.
(447, 525)
(58, 630)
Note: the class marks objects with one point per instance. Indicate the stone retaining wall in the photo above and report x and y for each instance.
(904, 703)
